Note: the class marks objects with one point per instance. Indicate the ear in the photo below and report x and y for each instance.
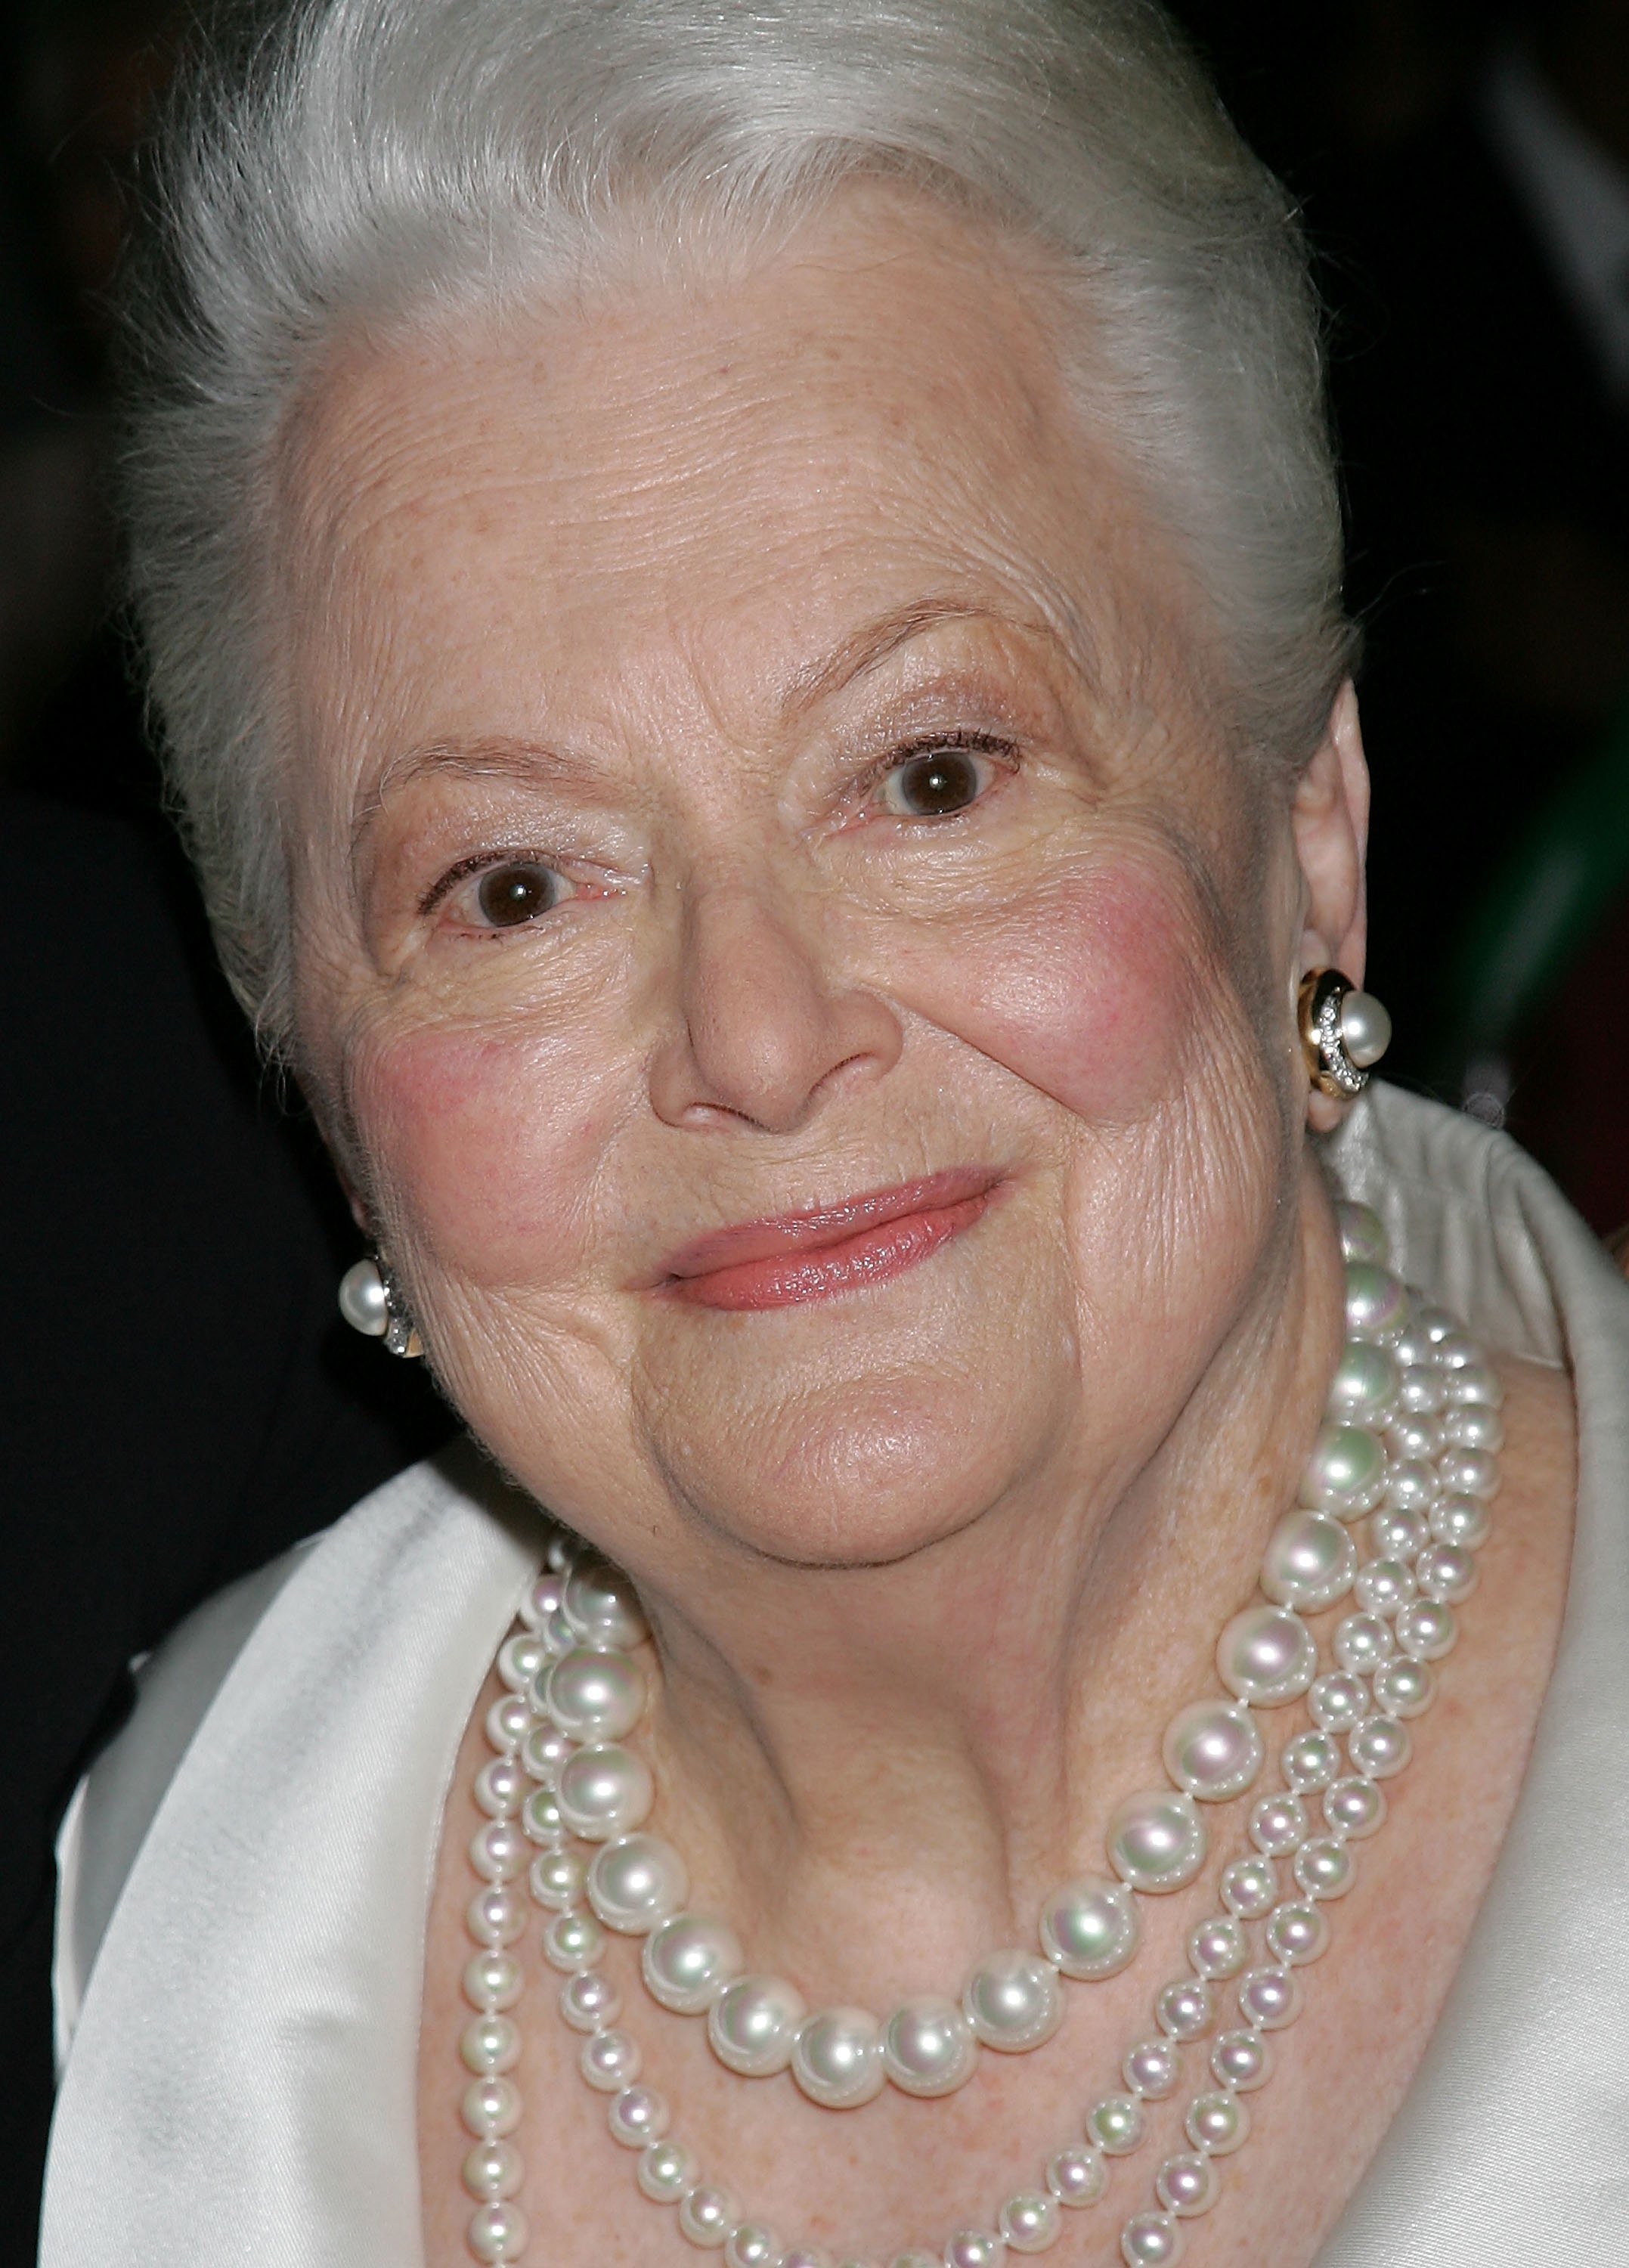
(1328, 821)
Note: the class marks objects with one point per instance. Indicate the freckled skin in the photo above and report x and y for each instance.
(657, 595)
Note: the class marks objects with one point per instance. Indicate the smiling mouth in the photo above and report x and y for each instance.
(843, 1247)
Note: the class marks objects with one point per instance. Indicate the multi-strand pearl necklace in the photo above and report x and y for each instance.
(1408, 1446)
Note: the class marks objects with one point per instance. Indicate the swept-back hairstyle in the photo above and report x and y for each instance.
(331, 162)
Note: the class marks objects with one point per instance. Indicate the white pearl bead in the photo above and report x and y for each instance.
(1362, 1232)
(664, 2171)
(1377, 1303)
(1241, 2061)
(1436, 1323)
(498, 2232)
(1382, 1586)
(508, 1721)
(542, 1819)
(1346, 1473)
(1354, 1808)
(610, 2061)
(1089, 1928)
(917, 2260)
(1182, 2008)
(543, 1599)
(543, 1752)
(1398, 1532)
(573, 1941)
(1249, 1887)
(1379, 1748)
(1412, 1485)
(1462, 1520)
(929, 2048)
(1473, 1426)
(688, 1961)
(636, 1883)
(1366, 1383)
(500, 1788)
(1456, 1349)
(836, 2058)
(1474, 1384)
(1157, 1840)
(752, 2022)
(490, 2106)
(498, 1850)
(1324, 1867)
(1309, 1562)
(751, 2245)
(596, 1697)
(492, 1980)
(520, 1659)
(602, 1605)
(1447, 1573)
(1153, 2068)
(1213, 1750)
(974, 2248)
(1115, 2125)
(1187, 2185)
(637, 2117)
(1266, 1655)
(1467, 1472)
(492, 2170)
(1269, 1999)
(707, 2214)
(1077, 2176)
(810, 2255)
(1278, 1825)
(1309, 1762)
(604, 1790)
(1337, 1701)
(1296, 1934)
(489, 2044)
(1365, 1029)
(495, 1916)
(1362, 1642)
(362, 1300)
(1217, 2124)
(1029, 2222)
(1405, 1688)
(1217, 1947)
(1012, 2001)
(559, 1878)
(1152, 2240)
(1426, 1630)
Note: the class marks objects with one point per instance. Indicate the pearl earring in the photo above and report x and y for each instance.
(1344, 1032)
(371, 1303)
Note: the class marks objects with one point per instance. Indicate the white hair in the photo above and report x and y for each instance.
(337, 161)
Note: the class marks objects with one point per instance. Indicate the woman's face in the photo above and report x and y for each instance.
(751, 755)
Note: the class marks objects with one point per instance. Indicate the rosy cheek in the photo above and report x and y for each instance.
(494, 1143)
(1085, 988)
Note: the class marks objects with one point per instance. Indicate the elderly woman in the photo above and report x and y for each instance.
(745, 606)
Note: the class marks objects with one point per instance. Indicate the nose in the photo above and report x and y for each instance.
(763, 1032)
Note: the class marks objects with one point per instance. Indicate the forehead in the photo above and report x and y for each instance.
(729, 470)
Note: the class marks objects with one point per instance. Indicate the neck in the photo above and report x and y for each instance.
(879, 1772)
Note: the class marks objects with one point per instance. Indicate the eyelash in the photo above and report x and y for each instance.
(964, 742)
(481, 862)
(927, 744)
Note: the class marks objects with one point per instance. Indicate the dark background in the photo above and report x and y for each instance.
(178, 1403)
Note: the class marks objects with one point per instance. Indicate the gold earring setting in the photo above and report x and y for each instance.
(1344, 1032)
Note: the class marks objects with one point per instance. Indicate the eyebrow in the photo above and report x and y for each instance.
(498, 757)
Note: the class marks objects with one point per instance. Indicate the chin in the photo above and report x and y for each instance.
(862, 1473)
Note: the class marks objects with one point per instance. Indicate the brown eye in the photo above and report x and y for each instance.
(508, 895)
(935, 784)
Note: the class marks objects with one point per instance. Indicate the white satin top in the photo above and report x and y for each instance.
(246, 1876)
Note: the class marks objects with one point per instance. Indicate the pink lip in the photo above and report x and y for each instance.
(816, 1255)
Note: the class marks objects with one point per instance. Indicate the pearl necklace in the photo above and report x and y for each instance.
(1409, 1444)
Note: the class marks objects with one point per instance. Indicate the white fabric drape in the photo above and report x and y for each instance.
(241, 2082)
